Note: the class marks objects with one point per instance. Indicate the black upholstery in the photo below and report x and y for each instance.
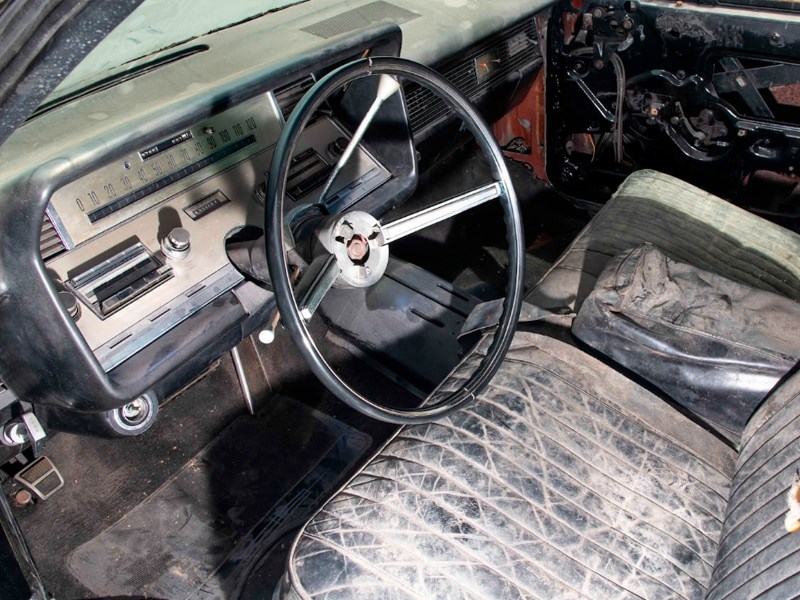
(565, 479)
(715, 346)
(757, 558)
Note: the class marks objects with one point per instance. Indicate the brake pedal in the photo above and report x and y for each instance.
(41, 477)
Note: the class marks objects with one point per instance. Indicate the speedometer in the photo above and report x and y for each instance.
(167, 166)
(126, 187)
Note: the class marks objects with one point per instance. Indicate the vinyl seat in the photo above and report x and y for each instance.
(565, 479)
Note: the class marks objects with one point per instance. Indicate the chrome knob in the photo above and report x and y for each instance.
(177, 244)
(70, 303)
(14, 434)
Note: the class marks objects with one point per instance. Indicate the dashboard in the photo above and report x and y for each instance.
(116, 207)
(129, 282)
(134, 274)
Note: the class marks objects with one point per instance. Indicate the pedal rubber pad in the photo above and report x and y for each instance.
(41, 477)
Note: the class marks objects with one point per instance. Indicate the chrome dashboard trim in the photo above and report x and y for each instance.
(166, 317)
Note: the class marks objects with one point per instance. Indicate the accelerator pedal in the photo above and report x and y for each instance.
(41, 477)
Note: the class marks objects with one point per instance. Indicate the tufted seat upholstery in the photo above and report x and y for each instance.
(566, 479)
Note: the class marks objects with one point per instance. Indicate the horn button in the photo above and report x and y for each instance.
(356, 239)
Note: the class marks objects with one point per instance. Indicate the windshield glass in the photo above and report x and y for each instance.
(159, 24)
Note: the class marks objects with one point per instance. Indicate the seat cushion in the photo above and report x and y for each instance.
(715, 346)
(687, 224)
(563, 480)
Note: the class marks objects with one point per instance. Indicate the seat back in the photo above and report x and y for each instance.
(687, 224)
(757, 557)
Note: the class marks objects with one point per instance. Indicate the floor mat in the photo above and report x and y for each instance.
(197, 534)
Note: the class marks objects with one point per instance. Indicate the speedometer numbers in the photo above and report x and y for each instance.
(141, 179)
(163, 163)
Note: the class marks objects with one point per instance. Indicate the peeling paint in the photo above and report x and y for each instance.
(696, 27)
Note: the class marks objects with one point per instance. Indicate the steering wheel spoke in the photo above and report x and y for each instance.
(440, 212)
(315, 283)
(387, 86)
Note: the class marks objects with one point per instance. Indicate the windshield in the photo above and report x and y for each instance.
(159, 24)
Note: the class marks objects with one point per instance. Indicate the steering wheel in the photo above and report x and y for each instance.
(352, 248)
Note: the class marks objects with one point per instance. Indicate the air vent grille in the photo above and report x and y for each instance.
(359, 18)
(513, 50)
(50, 245)
(289, 95)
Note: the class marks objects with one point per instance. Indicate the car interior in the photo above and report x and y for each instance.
(343, 299)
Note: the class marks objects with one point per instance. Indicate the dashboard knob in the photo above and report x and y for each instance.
(260, 193)
(70, 302)
(337, 147)
(176, 244)
(14, 434)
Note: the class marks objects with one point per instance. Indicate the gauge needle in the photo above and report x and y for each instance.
(387, 86)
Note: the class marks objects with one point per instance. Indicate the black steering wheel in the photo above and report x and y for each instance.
(352, 247)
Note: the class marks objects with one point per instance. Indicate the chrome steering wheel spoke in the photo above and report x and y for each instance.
(387, 86)
(439, 212)
(318, 279)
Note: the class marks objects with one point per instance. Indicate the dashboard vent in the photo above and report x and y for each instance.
(359, 18)
(515, 49)
(50, 245)
(289, 95)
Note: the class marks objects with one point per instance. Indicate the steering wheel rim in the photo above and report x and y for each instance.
(275, 248)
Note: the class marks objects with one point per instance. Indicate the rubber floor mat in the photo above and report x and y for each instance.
(197, 534)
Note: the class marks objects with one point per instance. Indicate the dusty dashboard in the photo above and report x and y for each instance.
(146, 233)
(114, 265)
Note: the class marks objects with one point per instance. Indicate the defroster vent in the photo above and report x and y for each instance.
(374, 13)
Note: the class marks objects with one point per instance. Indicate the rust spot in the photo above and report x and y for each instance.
(788, 95)
(526, 121)
(569, 22)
